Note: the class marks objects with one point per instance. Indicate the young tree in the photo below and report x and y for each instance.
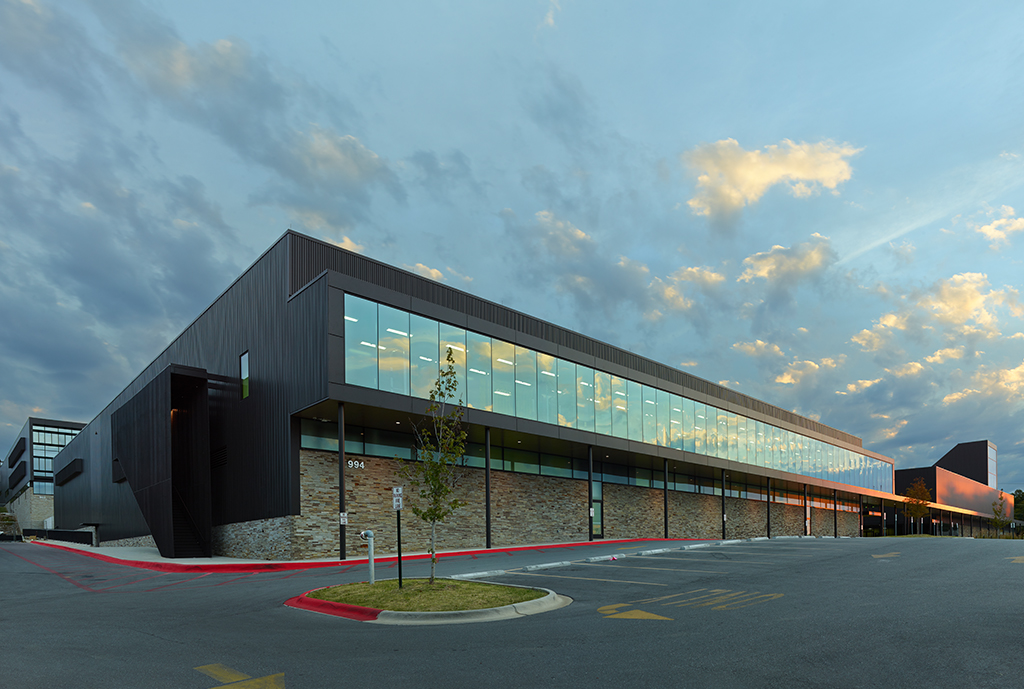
(918, 496)
(1000, 514)
(440, 445)
(1018, 504)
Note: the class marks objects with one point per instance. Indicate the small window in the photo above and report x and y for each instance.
(244, 365)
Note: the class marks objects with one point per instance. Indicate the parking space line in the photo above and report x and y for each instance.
(562, 576)
(697, 559)
(660, 569)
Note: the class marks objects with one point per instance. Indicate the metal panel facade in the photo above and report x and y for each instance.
(256, 477)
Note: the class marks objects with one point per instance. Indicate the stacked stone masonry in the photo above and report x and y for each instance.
(31, 510)
(525, 510)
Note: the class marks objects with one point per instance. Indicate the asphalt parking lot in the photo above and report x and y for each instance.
(786, 612)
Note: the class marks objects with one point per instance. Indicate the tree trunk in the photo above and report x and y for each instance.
(433, 549)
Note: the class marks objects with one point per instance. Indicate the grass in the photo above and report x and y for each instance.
(416, 595)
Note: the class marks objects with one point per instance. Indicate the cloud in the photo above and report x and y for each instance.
(1004, 384)
(879, 335)
(965, 301)
(427, 272)
(561, 238)
(758, 348)
(730, 178)
(904, 253)
(999, 230)
(549, 18)
(861, 385)
(784, 267)
(347, 244)
(912, 368)
(893, 431)
(705, 277)
(943, 355)
(796, 372)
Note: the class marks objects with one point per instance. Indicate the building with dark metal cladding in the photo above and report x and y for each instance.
(291, 401)
(26, 474)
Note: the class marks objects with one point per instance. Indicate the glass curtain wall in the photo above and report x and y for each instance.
(395, 351)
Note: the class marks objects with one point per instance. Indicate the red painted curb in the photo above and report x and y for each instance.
(326, 607)
(244, 567)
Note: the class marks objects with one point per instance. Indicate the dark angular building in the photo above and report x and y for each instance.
(275, 424)
(26, 474)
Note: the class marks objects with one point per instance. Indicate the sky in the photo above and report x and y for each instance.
(817, 204)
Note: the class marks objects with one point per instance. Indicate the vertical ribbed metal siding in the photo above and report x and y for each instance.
(310, 257)
(286, 341)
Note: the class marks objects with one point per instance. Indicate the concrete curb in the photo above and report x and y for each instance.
(546, 603)
(552, 601)
(546, 565)
(477, 575)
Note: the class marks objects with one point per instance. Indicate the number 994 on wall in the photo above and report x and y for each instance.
(356, 464)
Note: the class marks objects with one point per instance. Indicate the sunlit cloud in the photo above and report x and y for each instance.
(880, 333)
(966, 301)
(1005, 384)
(730, 178)
(786, 266)
(999, 230)
(912, 368)
(427, 272)
(705, 277)
(347, 244)
(945, 355)
(561, 237)
(861, 385)
(893, 431)
(758, 348)
(796, 372)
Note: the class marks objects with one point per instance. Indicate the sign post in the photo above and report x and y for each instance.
(396, 505)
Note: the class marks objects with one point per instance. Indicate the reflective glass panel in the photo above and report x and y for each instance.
(423, 349)
(675, 432)
(393, 350)
(360, 342)
(478, 371)
(503, 377)
(620, 423)
(584, 398)
(566, 393)
(688, 425)
(664, 417)
(700, 428)
(759, 443)
(741, 438)
(650, 415)
(526, 383)
(723, 434)
(547, 389)
(734, 437)
(634, 391)
(602, 402)
(454, 339)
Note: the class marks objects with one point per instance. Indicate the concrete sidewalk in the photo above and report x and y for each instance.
(150, 558)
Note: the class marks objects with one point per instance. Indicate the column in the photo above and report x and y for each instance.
(487, 486)
(341, 480)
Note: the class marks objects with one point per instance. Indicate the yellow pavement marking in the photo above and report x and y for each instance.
(660, 569)
(611, 611)
(721, 599)
(637, 615)
(233, 678)
(1017, 560)
(562, 576)
(886, 555)
(222, 673)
